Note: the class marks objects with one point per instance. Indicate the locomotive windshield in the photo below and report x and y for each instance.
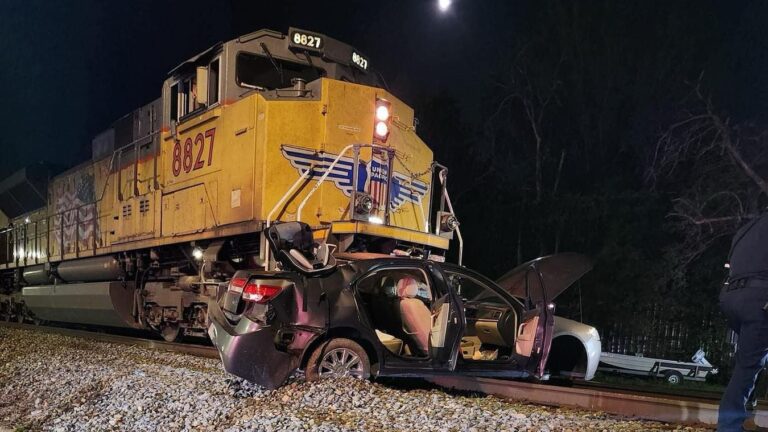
(261, 72)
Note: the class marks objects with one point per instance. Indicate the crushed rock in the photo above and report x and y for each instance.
(50, 382)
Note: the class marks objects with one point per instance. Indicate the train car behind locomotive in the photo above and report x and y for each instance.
(266, 127)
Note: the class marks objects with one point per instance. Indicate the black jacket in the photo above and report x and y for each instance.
(749, 250)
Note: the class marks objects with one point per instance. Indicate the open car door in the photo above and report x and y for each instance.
(445, 336)
(537, 283)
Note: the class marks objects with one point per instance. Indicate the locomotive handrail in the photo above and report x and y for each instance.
(12, 238)
(442, 177)
(322, 179)
(279, 204)
(134, 145)
(328, 172)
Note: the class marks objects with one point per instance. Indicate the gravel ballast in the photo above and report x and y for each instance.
(57, 383)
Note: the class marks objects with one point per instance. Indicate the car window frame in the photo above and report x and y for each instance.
(514, 301)
(373, 272)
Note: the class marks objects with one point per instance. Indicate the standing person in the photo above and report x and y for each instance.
(744, 301)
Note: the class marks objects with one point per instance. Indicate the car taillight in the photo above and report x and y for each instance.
(382, 116)
(260, 293)
(236, 284)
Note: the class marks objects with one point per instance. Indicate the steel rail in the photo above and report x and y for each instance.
(704, 395)
(663, 408)
(195, 350)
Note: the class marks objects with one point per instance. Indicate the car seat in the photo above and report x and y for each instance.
(415, 315)
(294, 246)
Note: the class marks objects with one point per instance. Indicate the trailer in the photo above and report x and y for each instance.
(672, 371)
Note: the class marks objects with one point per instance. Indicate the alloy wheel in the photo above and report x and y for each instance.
(341, 362)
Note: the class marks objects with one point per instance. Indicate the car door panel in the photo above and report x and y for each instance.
(449, 323)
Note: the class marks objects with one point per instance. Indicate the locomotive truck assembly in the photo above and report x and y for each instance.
(267, 127)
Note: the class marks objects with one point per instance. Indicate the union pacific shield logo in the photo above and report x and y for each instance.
(372, 176)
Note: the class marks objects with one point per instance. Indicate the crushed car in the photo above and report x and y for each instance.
(372, 316)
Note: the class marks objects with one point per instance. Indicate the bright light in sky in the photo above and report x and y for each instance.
(444, 5)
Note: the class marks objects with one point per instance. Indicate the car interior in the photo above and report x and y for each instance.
(491, 322)
(295, 247)
(399, 303)
(408, 320)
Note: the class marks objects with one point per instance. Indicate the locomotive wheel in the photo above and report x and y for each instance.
(5, 311)
(171, 333)
(21, 311)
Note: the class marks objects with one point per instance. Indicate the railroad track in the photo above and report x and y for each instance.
(708, 396)
(192, 349)
(692, 409)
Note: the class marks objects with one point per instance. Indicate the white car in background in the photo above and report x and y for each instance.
(575, 350)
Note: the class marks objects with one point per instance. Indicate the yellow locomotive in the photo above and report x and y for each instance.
(266, 127)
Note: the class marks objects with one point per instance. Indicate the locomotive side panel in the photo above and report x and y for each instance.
(134, 203)
(80, 217)
(237, 145)
(191, 165)
(288, 124)
(349, 120)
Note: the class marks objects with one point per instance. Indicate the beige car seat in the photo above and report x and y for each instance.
(416, 317)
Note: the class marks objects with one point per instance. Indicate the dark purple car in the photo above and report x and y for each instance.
(385, 316)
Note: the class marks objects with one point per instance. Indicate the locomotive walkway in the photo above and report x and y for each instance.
(691, 411)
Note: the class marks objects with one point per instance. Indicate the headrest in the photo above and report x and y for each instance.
(294, 247)
(407, 287)
(291, 235)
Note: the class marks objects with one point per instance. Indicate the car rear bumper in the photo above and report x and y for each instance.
(247, 350)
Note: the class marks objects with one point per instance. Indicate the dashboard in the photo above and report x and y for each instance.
(493, 323)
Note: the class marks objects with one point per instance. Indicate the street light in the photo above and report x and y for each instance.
(444, 5)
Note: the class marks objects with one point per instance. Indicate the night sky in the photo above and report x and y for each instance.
(70, 68)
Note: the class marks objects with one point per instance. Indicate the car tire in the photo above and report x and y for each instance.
(337, 358)
(673, 377)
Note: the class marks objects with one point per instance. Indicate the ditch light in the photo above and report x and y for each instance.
(382, 117)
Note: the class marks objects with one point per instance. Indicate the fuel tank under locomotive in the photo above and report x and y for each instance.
(86, 291)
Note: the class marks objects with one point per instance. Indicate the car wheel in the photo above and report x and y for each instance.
(338, 358)
(673, 377)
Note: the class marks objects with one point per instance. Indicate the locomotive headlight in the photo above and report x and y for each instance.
(382, 113)
(364, 203)
(382, 130)
(197, 253)
(448, 223)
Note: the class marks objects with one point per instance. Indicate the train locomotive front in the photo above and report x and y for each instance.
(267, 127)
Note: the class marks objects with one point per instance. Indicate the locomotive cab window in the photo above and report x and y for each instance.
(175, 102)
(183, 98)
(214, 82)
(187, 95)
(262, 73)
